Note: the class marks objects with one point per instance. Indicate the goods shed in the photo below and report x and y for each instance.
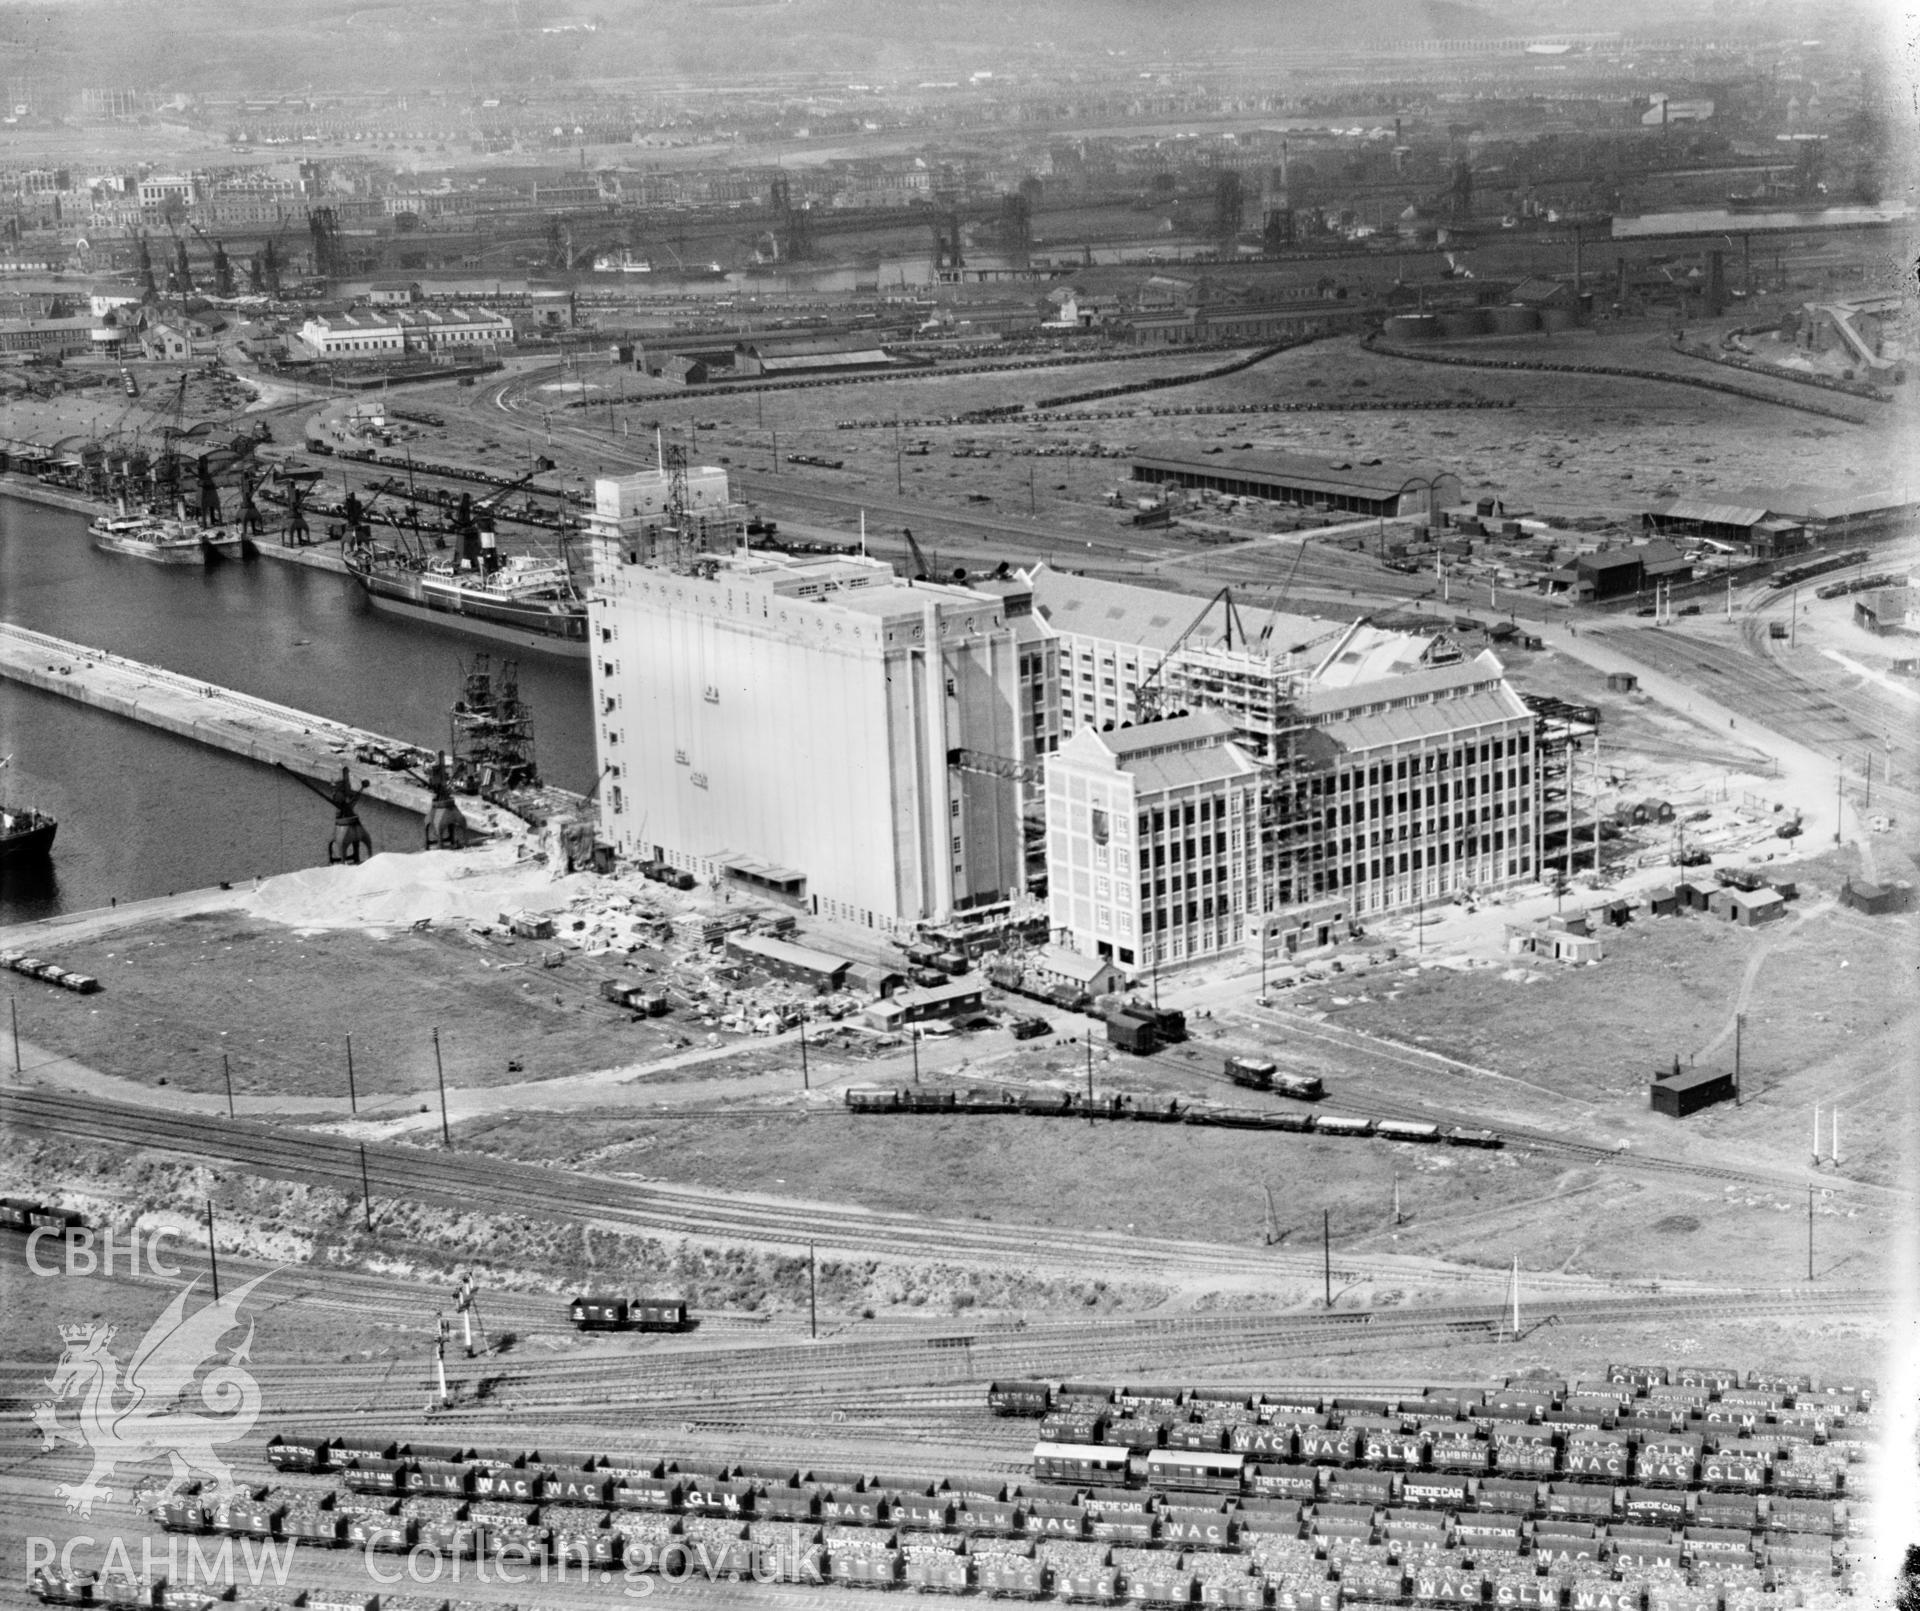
(1747, 907)
(1610, 574)
(1873, 899)
(1060, 964)
(1356, 486)
(1750, 525)
(784, 960)
(1689, 1090)
(936, 1001)
(817, 355)
(873, 978)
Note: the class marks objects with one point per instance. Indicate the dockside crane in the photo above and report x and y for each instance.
(350, 842)
(222, 269)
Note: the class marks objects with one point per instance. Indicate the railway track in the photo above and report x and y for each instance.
(494, 1186)
(1430, 1063)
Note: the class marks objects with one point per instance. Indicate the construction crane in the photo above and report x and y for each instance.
(1147, 697)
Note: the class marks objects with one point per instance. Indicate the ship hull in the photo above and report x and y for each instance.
(477, 627)
(28, 844)
(531, 625)
(226, 544)
(155, 553)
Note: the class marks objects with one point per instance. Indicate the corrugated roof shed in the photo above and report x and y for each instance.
(1716, 514)
(784, 951)
(1294, 470)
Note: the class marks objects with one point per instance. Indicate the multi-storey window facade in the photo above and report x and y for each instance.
(1148, 832)
(1391, 767)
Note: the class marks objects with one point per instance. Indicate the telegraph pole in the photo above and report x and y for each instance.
(366, 1191)
(1089, 1076)
(353, 1096)
(1739, 1024)
(226, 1070)
(13, 1008)
(1326, 1251)
(446, 1135)
(805, 1081)
(813, 1295)
(1809, 1233)
(214, 1258)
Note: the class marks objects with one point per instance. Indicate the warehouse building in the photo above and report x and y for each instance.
(1153, 841)
(798, 964)
(841, 735)
(362, 335)
(778, 356)
(1361, 487)
(1394, 768)
(1733, 520)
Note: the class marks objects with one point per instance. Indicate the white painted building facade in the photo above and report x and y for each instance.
(795, 725)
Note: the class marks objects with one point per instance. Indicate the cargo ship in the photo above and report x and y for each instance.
(524, 599)
(26, 835)
(166, 542)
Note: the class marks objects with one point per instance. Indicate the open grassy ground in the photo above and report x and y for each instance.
(1568, 443)
(279, 1003)
(1828, 1016)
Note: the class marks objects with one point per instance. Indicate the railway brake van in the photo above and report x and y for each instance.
(1194, 1470)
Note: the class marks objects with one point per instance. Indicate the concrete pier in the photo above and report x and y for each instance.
(219, 717)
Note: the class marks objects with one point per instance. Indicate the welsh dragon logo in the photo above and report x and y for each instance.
(138, 1419)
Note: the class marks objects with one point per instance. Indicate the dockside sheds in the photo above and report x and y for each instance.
(1362, 487)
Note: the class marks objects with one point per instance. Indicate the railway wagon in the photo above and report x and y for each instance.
(659, 1314)
(1301, 1087)
(629, 1314)
(15, 1214)
(1794, 575)
(1019, 1398)
(1083, 1463)
(598, 1314)
(1406, 1130)
(1329, 1124)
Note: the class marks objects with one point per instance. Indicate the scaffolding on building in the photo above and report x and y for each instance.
(492, 739)
(1570, 827)
(1258, 691)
